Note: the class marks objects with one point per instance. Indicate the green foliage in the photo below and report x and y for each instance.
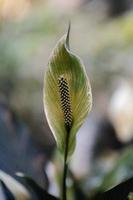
(130, 196)
(29, 190)
(119, 192)
(14, 190)
(39, 192)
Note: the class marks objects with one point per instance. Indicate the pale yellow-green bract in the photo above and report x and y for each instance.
(63, 63)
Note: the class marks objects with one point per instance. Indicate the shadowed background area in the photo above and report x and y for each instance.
(102, 35)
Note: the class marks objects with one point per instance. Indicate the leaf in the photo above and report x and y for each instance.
(7, 194)
(130, 196)
(67, 94)
(122, 170)
(17, 189)
(39, 192)
(120, 192)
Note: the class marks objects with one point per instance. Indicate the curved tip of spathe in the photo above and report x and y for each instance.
(68, 33)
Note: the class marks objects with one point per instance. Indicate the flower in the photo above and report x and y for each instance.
(67, 94)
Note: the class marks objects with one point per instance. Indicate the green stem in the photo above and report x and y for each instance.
(65, 169)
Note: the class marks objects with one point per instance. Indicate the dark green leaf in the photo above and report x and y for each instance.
(39, 192)
(7, 193)
(120, 192)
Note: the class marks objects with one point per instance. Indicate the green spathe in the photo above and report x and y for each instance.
(63, 64)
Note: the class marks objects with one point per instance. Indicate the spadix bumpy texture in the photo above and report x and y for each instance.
(67, 94)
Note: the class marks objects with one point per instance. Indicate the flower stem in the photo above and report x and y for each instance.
(65, 169)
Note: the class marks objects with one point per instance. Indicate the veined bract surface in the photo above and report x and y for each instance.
(67, 94)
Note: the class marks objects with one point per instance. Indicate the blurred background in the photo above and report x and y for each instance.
(102, 35)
